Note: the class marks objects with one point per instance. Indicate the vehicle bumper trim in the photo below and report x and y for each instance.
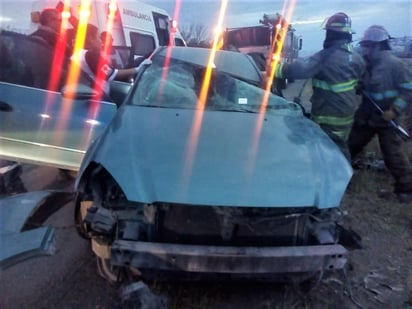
(225, 259)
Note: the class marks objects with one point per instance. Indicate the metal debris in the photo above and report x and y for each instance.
(138, 295)
(381, 287)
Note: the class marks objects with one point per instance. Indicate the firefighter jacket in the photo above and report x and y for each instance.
(335, 72)
(388, 83)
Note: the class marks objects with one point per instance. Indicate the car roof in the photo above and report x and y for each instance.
(234, 63)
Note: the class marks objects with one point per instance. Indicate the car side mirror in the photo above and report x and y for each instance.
(78, 92)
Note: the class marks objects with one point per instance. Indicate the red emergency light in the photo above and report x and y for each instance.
(84, 12)
(112, 6)
(174, 25)
(65, 14)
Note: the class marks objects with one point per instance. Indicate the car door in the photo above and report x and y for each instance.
(38, 125)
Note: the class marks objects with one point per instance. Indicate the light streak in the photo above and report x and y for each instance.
(274, 58)
(73, 72)
(193, 140)
(168, 53)
(92, 122)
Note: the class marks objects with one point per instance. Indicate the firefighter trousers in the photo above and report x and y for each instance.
(338, 134)
(393, 150)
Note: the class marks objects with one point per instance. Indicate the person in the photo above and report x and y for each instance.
(95, 64)
(107, 48)
(49, 31)
(107, 40)
(388, 83)
(49, 51)
(335, 71)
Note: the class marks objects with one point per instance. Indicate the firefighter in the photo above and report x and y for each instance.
(388, 83)
(335, 71)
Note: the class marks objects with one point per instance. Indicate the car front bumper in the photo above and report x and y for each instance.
(227, 260)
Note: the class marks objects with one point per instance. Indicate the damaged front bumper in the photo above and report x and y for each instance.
(226, 259)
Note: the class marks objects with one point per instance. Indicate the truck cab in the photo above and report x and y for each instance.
(273, 39)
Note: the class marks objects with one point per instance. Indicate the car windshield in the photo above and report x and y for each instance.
(180, 86)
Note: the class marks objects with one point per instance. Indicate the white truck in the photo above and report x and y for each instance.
(137, 28)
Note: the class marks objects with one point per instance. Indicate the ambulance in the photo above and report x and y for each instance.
(137, 28)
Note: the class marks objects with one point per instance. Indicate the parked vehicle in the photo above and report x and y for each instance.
(133, 24)
(216, 176)
(273, 39)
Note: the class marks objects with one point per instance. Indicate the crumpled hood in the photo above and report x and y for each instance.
(221, 158)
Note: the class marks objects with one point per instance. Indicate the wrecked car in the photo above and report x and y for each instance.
(203, 172)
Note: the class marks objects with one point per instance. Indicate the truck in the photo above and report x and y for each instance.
(137, 28)
(273, 39)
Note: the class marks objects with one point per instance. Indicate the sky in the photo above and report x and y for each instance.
(306, 16)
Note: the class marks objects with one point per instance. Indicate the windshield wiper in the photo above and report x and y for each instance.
(237, 110)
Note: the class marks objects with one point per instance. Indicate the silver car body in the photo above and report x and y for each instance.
(40, 126)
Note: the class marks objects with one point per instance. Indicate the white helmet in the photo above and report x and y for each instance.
(375, 33)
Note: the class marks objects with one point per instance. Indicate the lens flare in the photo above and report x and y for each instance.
(192, 143)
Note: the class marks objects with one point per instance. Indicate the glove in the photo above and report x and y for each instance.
(389, 114)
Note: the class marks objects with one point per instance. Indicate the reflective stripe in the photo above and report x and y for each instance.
(345, 27)
(341, 133)
(340, 87)
(279, 70)
(407, 86)
(388, 94)
(348, 47)
(333, 120)
(400, 103)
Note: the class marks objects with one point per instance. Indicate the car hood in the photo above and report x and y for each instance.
(221, 158)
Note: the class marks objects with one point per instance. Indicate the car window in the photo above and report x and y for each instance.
(29, 61)
(179, 86)
(12, 67)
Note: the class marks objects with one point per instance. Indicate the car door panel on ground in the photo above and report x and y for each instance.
(40, 126)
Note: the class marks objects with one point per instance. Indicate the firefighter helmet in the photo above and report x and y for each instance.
(339, 22)
(375, 33)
